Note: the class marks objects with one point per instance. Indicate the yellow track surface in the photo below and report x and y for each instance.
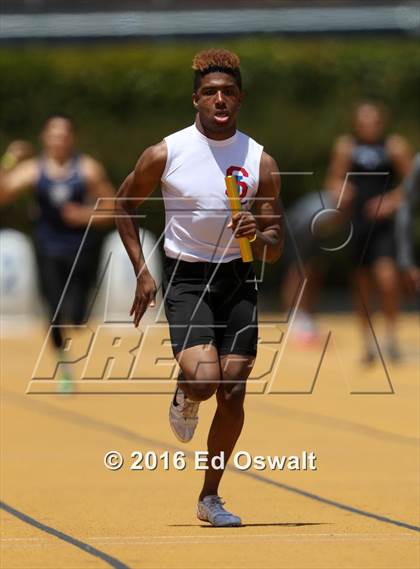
(61, 508)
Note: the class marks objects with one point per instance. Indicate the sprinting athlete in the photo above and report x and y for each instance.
(366, 170)
(209, 292)
(66, 186)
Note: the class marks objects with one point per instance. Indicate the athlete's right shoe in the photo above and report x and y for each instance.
(183, 416)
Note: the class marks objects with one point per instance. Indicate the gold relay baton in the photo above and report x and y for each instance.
(235, 206)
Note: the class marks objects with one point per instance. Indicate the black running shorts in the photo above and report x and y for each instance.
(209, 303)
(370, 244)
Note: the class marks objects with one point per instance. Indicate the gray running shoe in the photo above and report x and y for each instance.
(210, 509)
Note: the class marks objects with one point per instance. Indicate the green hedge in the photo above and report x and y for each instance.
(125, 97)
(299, 94)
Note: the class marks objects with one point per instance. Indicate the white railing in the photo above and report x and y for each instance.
(400, 18)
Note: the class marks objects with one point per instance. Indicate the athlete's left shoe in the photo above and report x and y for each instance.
(65, 383)
(210, 509)
(65, 379)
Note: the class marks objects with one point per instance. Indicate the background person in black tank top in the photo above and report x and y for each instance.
(366, 170)
(65, 186)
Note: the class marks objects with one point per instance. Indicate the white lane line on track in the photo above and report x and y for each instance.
(196, 540)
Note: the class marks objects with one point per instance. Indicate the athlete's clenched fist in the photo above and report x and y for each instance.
(243, 224)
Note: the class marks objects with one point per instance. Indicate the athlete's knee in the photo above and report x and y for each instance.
(200, 388)
(200, 391)
(230, 397)
(388, 287)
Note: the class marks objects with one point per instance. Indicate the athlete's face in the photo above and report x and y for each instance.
(58, 138)
(217, 102)
(368, 123)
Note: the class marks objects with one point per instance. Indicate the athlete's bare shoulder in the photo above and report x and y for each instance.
(153, 159)
(269, 176)
(96, 177)
(400, 152)
(268, 162)
(397, 144)
(147, 173)
(91, 168)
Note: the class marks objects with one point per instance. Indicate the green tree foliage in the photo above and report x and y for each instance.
(126, 96)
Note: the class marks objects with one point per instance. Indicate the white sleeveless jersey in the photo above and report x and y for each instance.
(194, 191)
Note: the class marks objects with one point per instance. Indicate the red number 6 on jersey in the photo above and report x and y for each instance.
(240, 174)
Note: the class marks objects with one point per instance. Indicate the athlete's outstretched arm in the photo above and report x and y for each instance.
(135, 189)
(267, 226)
(22, 177)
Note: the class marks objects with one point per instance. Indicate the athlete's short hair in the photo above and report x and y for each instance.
(60, 115)
(216, 60)
(379, 107)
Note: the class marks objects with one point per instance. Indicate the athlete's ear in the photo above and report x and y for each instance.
(195, 100)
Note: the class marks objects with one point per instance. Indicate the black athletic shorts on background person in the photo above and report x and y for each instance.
(369, 243)
(210, 303)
